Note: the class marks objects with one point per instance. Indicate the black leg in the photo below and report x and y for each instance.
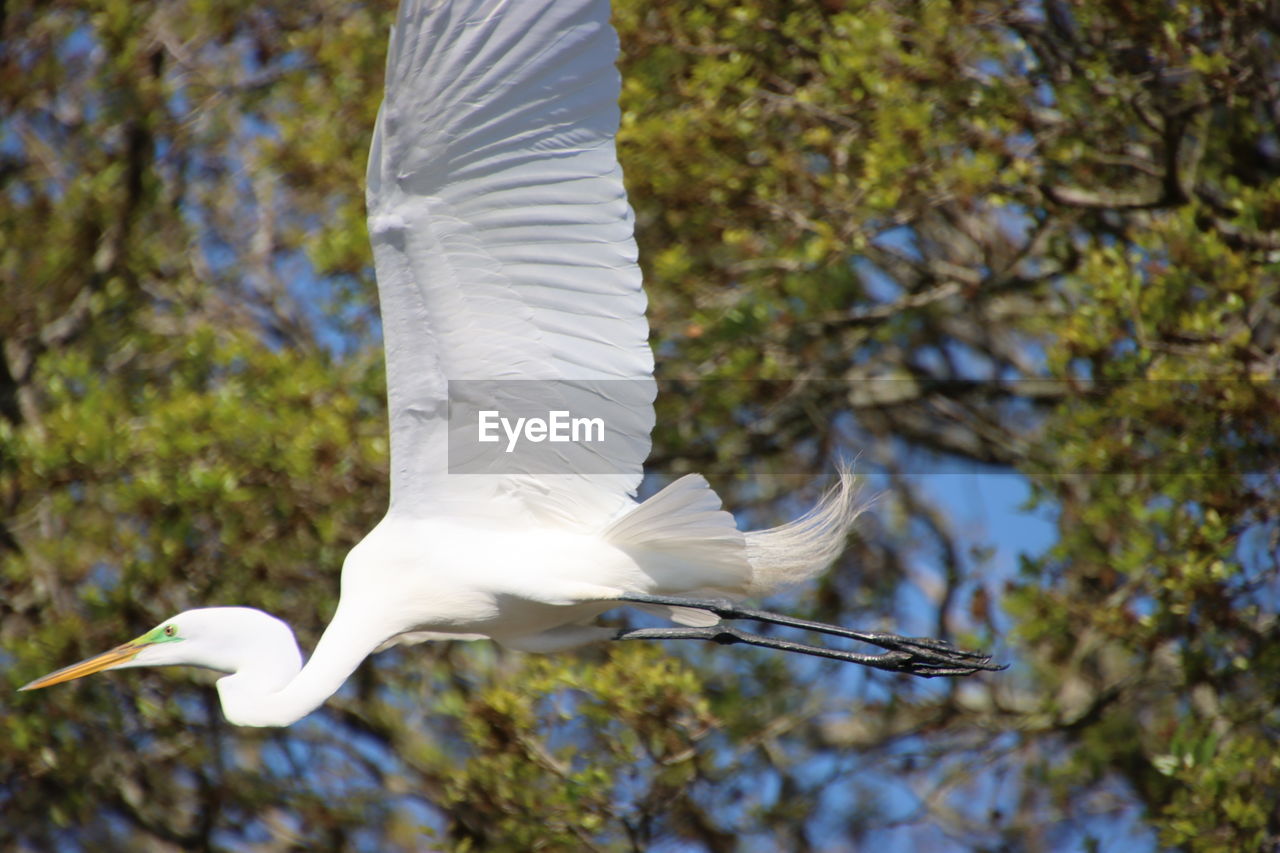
(913, 655)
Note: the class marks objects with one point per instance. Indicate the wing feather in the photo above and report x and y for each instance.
(503, 239)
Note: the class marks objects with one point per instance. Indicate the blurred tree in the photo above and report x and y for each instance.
(1041, 238)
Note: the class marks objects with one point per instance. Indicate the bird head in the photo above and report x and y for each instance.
(210, 637)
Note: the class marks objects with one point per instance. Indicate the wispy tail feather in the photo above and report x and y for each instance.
(800, 549)
(688, 545)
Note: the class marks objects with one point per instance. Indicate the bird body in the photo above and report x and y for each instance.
(531, 588)
(485, 579)
(504, 253)
(523, 584)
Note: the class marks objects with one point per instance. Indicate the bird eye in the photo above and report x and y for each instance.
(170, 630)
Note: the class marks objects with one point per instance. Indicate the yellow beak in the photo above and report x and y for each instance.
(120, 654)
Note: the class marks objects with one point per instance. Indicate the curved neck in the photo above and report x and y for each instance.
(272, 691)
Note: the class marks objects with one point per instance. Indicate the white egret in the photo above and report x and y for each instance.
(504, 251)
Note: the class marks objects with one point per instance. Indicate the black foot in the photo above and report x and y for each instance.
(913, 655)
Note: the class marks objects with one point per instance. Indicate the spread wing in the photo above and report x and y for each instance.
(503, 246)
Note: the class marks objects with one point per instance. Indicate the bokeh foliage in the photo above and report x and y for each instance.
(1039, 238)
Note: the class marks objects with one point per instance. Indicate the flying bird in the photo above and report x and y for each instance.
(506, 267)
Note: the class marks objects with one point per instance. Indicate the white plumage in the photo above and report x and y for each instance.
(503, 246)
(501, 231)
